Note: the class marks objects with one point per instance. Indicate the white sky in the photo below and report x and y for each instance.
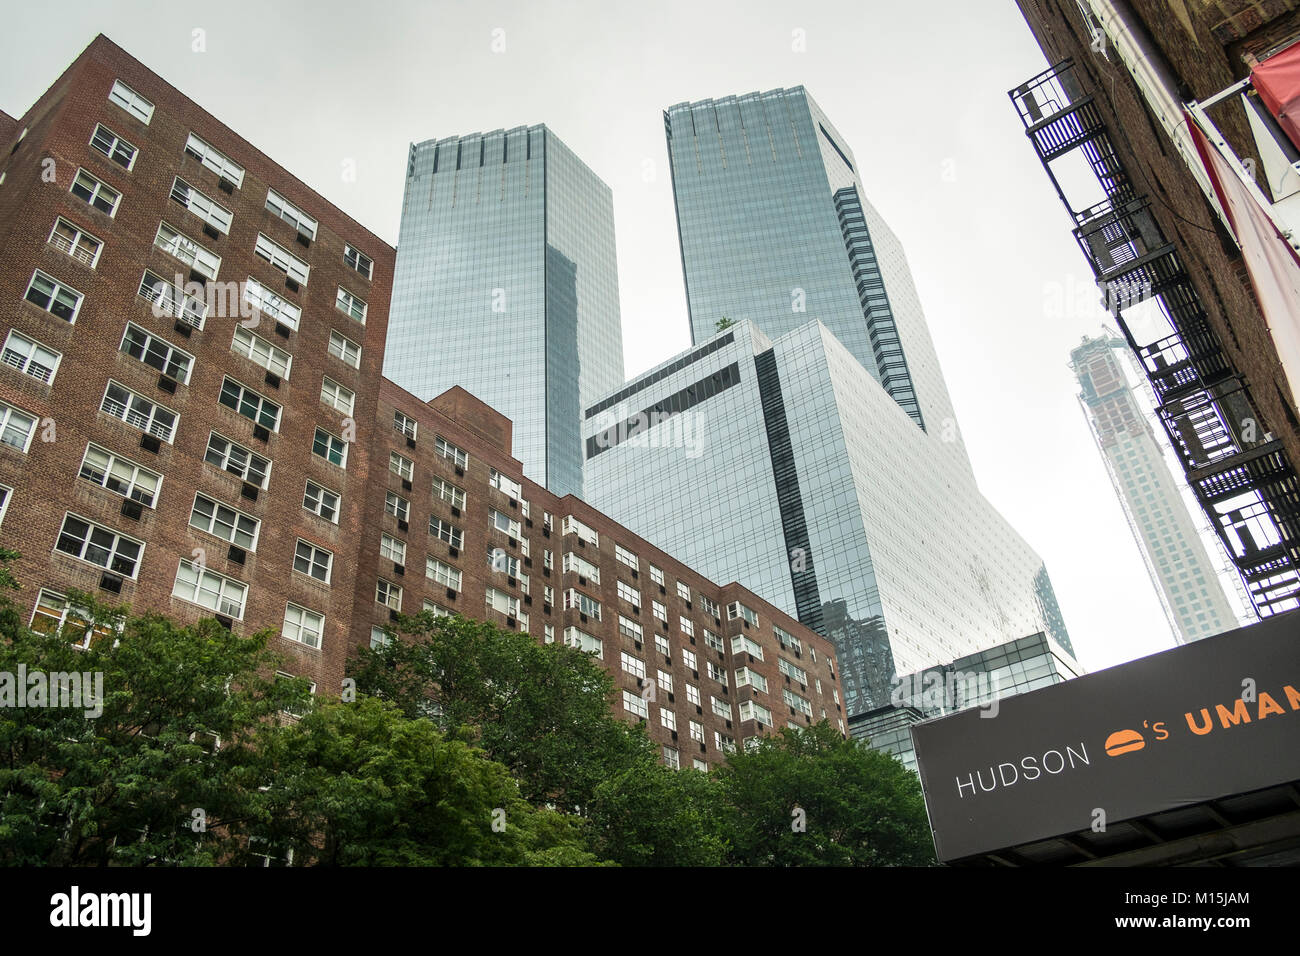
(917, 89)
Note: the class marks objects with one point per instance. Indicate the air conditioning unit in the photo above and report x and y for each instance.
(226, 186)
(272, 379)
(132, 509)
(211, 232)
(150, 443)
(249, 491)
(402, 525)
(167, 384)
(455, 512)
(225, 621)
(111, 583)
(460, 471)
(184, 328)
(406, 484)
(393, 615)
(282, 330)
(199, 277)
(304, 240)
(261, 433)
(236, 555)
(451, 594)
(453, 551)
(399, 569)
(410, 443)
(291, 284)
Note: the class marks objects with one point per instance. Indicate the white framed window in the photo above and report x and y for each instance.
(735, 609)
(587, 605)
(157, 353)
(304, 626)
(787, 641)
(446, 449)
(663, 646)
(630, 628)
(271, 357)
(687, 625)
(358, 261)
(584, 642)
(280, 257)
(743, 645)
(336, 396)
(442, 573)
(53, 612)
(113, 146)
(656, 575)
(170, 301)
(239, 461)
(397, 506)
(503, 522)
(437, 609)
(172, 241)
(394, 549)
(745, 676)
(572, 525)
(635, 704)
(629, 594)
(797, 674)
(30, 357)
(313, 561)
(721, 707)
(405, 424)
(798, 703)
(344, 349)
(693, 694)
(505, 484)
(53, 296)
(100, 546)
(702, 765)
(632, 665)
(724, 742)
(445, 531)
(449, 493)
(548, 595)
(715, 673)
(319, 500)
(388, 594)
(206, 588)
(400, 466)
(710, 608)
(274, 306)
(224, 522)
(581, 566)
(381, 638)
(752, 710)
(689, 659)
(131, 101)
(254, 406)
(659, 611)
(503, 561)
(291, 214)
(696, 730)
(499, 600)
(664, 680)
(669, 720)
(713, 641)
(209, 210)
(76, 242)
(138, 412)
(96, 192)
(349, 304)
(626, 556)
(683, 590)
(6, 495)
(215, 160)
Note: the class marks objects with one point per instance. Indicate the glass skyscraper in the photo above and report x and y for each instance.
(506, 283)
(810, 451)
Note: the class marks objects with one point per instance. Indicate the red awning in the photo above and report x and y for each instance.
(1278, 81)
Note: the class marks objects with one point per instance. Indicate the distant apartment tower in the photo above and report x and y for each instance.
(1180, 566)
(507, 282)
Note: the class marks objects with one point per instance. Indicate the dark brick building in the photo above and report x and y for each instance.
(193, 420)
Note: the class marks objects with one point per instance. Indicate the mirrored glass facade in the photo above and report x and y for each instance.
(506, 283)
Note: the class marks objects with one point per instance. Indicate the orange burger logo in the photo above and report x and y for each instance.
(1123, 742)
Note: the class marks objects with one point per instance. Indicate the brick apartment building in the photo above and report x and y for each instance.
(193, 420)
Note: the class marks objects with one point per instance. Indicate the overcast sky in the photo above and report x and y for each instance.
(917, 89)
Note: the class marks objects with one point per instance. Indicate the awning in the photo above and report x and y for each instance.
(1278, 81)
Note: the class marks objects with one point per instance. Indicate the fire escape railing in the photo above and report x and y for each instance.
(1241, 475)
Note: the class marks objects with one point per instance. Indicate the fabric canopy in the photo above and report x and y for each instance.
(1278, 81)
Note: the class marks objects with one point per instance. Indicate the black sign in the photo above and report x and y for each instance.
(1199, 722)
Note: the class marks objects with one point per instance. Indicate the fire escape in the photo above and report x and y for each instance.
(1239, 473)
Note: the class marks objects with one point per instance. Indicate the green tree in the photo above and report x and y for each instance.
(812, 798)
(724, 323)
(543, 710)
(649, 815)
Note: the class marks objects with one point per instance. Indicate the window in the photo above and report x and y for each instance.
(356, 260)
(437, 609)
(120, 475)
(282, 259)
(224, 522)
(548, 559)
(629, 628)
(787, 641)
(683, 590)
(379, 638)
(449, 493)
(176, 243)
(629, 593)
(701, 764)
(583, 567)
(53, 296)
(656, 575)
(687, 625)
(444, 574)
(394, 549)
(743, 645)
(446, 531)
(501, 560)
(572, 525)
(138, 411)
(215, 160)
(688, 658)
(291, 214)
(97, 193)
(168, 300)
(724, 743)
(587, 605)
(583, 641)
(238, 460)
(53, 612)
(696, 730)
(402, 467)
(662, 645)
(345, 350)
(210, 211)
(626, 556)
(633, 704)
(659, 611)
(633, 665)
(312, 561)
(507, 604)
(797, 702)
(206, 588)
(330, 447)
(746, 676)
(131, 101)
(721, 707)
(303, 626)
(716, 673)
(30, 357)
(693, 694)
(157, 353)
(113, 146)
(388, 594)
(321, 501)
(82, 246)
(751, 710)
(503, 522)
(548, 595)
(397, 506)
(735, 609)
(99, 545)
(274, 306)
(669, 720)
(349, 304)
(252, 346)
(505, 484)
(713, 641)
(256, 408)
(709, 607)
(16, 427)
(336, 396)
(789, 670)
(449, 451)
(664, 680)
